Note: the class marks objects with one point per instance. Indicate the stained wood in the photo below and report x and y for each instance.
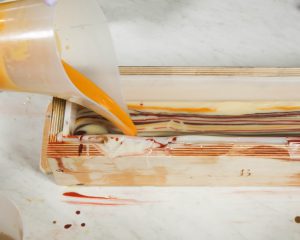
(77, 160)
(175, 171)
(85, 160)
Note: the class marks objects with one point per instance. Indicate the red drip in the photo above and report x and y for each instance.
(80, 149)
(161, 145)
(78, 195)
(96, 203)
(67, 226)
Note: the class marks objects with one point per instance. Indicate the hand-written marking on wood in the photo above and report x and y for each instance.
(245, 173)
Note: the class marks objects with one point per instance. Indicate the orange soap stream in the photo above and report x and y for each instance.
(93, 92)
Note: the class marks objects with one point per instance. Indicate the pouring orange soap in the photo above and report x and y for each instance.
(89, 89)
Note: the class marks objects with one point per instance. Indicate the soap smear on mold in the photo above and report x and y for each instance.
(125, 146)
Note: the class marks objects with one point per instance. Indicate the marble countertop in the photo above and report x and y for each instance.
(206, 32)
(167, 32)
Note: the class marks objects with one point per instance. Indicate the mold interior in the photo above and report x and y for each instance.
(172, 118)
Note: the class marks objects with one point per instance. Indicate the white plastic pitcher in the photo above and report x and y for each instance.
(35, 37)
(10, 219)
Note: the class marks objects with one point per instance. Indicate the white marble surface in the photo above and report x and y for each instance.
(205, 32)
(156, 33)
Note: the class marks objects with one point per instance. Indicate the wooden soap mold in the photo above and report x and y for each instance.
(81, 160)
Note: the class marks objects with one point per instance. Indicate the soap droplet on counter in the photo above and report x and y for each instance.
(67, 226)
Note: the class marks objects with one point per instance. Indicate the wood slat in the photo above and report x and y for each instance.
(57, 118)
(211, 71)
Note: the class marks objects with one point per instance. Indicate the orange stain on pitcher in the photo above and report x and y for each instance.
(2, 24)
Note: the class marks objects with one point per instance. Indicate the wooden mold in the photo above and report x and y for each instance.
(118, 160)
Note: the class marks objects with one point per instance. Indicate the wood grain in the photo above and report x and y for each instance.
(211, 71)
(57, 118)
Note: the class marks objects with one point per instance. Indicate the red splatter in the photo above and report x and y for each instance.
(82, 224)
(80, 149)
(78, 195)
(160, 145)
(117, 139)
(96, 203)
(67, 226)
(105, 201)
(77, 212)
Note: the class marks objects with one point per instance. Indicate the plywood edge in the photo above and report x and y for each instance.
(53, 125)
(69, 118)
(44, 165)
(211, 71)
(57, 118)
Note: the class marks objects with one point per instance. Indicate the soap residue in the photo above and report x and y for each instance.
(5, 237)
(125, 146)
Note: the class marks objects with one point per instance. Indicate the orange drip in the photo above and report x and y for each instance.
(93, 92)
(171, 109)
(281, 108)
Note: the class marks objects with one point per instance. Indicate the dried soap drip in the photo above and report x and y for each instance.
(67, 226)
